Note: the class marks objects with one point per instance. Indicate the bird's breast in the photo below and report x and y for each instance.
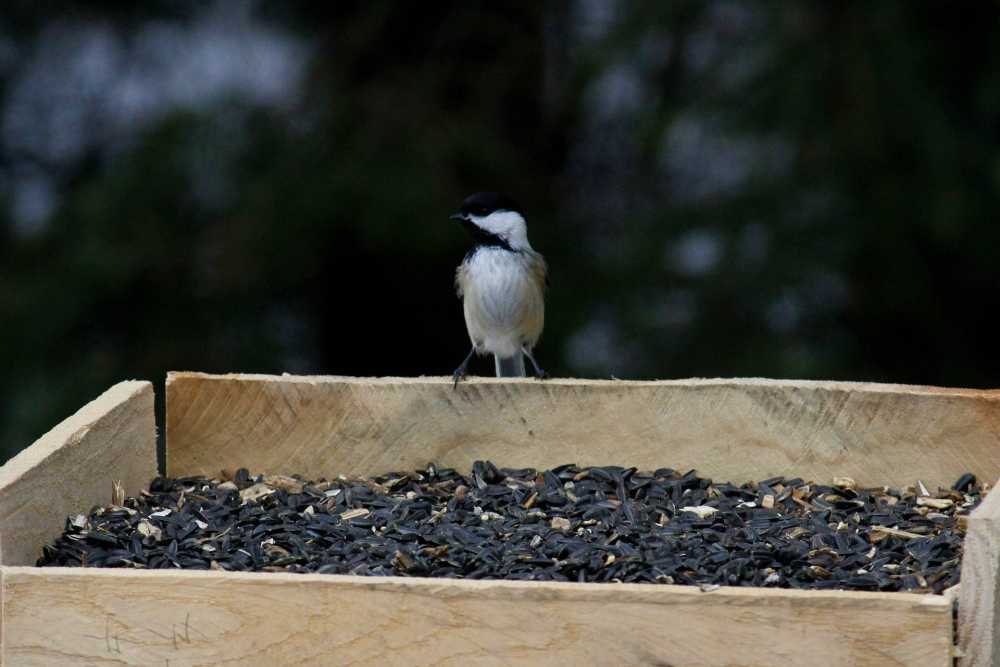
(497, 277)
(501, 293)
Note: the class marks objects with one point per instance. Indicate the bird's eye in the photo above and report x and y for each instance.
(481, 210)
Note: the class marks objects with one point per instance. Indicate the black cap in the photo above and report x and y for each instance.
(484, 203)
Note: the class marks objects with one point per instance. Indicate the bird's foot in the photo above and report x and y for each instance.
(463, 367)
(540, 374)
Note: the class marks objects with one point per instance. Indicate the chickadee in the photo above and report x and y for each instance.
(501, 283)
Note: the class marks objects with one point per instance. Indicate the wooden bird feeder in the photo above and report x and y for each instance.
(325, 426)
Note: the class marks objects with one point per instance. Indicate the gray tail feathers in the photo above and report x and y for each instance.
(511, 367)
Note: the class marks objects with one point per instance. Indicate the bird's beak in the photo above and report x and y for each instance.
(458, 216)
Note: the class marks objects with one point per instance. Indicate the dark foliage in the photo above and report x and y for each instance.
(721, 188)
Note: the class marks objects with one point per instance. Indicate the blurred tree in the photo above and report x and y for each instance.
(312, 237)
(721, 188)
(808, 190)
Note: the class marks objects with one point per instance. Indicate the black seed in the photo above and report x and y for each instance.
(965, 482)
(241, 479)
(495, 523)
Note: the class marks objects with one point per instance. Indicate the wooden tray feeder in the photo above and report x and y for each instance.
(734, 430)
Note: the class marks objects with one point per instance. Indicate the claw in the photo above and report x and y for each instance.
(539, 373)
(463, 368)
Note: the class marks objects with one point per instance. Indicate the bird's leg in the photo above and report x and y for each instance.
(539, 373)
(460, 371)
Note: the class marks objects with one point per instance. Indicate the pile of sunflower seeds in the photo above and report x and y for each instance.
(597, 524)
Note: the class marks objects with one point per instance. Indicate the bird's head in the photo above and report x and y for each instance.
(494, 219)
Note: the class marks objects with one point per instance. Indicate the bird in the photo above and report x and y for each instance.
(501, 282)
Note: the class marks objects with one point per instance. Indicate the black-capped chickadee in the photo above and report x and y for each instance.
(501, 283)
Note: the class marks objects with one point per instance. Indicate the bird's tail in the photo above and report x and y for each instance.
(511, 367)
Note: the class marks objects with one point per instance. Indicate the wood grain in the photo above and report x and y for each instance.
(115, 617)
(979, 595)
(70, 469)
(727, 429)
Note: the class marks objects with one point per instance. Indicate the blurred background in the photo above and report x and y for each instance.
(722, 188)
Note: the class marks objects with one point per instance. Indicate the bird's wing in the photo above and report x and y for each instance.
(461, 276)
(541, 269)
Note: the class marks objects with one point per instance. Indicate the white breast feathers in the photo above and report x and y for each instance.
(503, 299)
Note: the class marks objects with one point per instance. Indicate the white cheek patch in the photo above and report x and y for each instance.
(506, 224)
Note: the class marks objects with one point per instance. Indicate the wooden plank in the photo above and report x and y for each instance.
(159, 618)
(71, 468)
(979, 595)
(727, 429)
(3, 660)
